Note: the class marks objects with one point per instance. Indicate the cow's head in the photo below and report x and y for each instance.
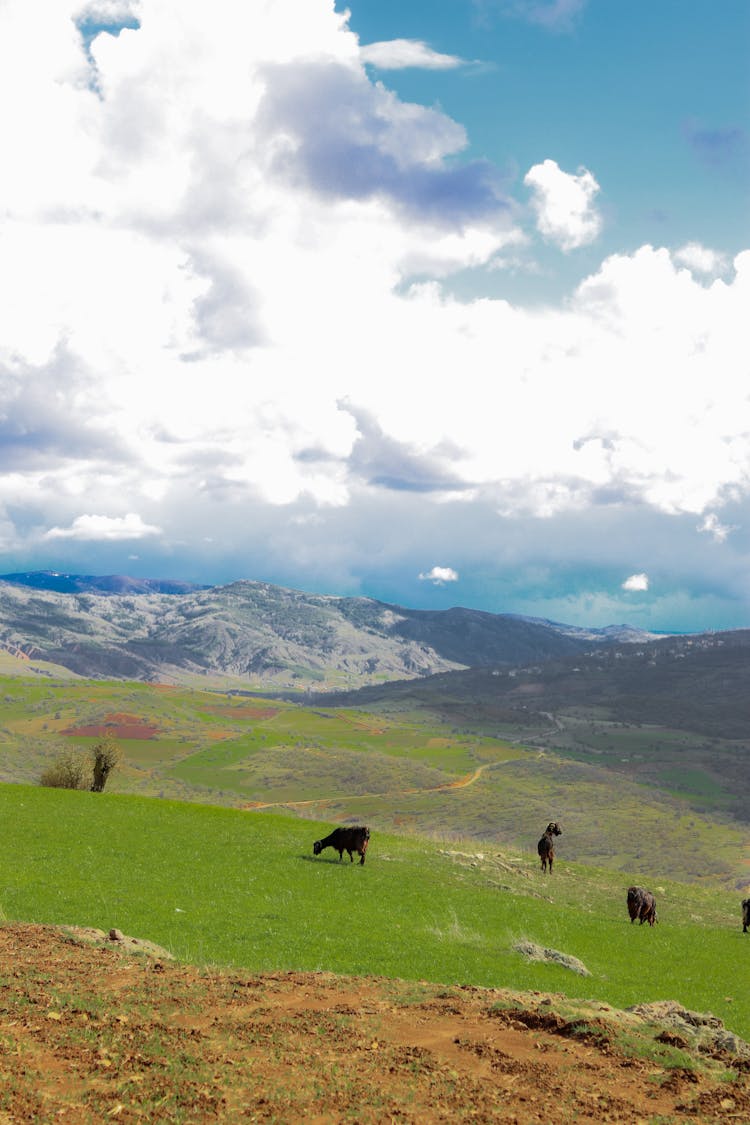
(317, 847)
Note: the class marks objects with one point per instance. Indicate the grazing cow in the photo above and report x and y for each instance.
(546, 846)
(345, 840)
(745, 914)
(641, 905)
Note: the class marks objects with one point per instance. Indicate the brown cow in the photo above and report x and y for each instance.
(545, 847)
(641, 905)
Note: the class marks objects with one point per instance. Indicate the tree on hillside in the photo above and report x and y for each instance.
(105, 756)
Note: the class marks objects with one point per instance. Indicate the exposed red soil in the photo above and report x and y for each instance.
(116, 725)
(91, 1033)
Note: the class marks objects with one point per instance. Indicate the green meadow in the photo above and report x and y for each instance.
(220, 886)
(632, 799)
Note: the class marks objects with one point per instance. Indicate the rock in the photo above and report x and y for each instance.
(536, 952)
(703, 1031)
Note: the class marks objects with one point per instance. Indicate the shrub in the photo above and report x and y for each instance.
(70, 770)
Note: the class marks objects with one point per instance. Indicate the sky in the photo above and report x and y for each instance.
(442, 304)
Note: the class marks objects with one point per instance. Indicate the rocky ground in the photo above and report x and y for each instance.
(96, 1028)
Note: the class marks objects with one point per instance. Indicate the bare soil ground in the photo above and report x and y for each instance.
(116, 725)
(90, 1031)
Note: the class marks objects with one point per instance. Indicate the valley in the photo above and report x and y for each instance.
(202, 844)
(658, 799)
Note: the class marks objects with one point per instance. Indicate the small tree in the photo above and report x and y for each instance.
(70, 770)
(105, 755)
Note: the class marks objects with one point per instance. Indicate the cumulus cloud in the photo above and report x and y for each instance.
(701, 259)
(439, 575)
(210, 312)
(564, 204)
(378, 149)
(636, 582)
(91, 527)
(398, 54)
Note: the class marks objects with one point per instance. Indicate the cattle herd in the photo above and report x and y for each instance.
(641, 903)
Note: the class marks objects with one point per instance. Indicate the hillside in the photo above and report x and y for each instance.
(98, 1033)
(671, 715)
(251, 634)
(433, 983)
(628, 796)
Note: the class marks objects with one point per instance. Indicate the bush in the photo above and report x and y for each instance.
(70, 770)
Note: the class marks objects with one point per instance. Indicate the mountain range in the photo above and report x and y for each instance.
(255, 634)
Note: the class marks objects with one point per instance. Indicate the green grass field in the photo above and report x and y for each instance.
(401, 770)
(220, 886)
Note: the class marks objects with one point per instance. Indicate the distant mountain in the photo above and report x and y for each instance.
(98, 584)
(255, 634)
(625, 634)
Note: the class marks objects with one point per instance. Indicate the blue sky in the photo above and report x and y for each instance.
(438, 303)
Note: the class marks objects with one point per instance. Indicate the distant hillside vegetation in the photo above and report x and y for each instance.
(698, 683)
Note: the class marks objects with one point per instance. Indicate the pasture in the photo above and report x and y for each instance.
(402, 770)
(220, 886)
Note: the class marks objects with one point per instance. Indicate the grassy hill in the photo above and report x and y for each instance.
(671, 716)
(231, 888)
(418, 772)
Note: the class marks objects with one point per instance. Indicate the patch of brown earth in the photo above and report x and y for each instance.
(117, 725)
(90, 1033)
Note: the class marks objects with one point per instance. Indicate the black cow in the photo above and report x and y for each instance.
(546, 847)
(641, 905)
(745, 914)
(345, 840)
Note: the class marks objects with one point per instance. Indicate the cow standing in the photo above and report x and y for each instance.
(641, 905)
(546, 846)
(346, 840)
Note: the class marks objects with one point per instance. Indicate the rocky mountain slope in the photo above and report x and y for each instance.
(254, 633)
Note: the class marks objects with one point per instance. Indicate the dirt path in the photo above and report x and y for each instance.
(91, 1034)
(459, 783)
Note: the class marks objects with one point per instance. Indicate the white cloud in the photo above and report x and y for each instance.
(712, 526)
(564, 204)
(636, 582)
(90, 527)
(209, 315)
(398, 54)
(439, 575)
(701, 259)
